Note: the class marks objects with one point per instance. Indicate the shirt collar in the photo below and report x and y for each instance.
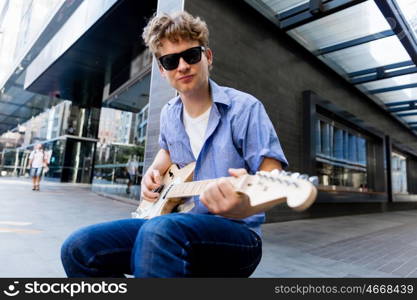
(217, 93)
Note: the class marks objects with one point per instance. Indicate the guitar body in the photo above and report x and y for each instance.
(165, 205)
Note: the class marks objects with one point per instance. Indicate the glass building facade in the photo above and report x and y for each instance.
(399, 173)
(98, 135)
(121, 140)
(341, 155)
(19, 29)
(69, 154)
(120, 152)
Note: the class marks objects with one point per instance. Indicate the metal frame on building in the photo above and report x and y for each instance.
(306, 21)
(312, 10)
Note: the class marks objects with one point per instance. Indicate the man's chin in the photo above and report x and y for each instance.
(185, 88)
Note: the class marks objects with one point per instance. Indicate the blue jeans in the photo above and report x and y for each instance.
(173, 245)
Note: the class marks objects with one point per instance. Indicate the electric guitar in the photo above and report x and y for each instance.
(265, 190)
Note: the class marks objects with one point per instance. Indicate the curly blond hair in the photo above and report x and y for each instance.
(180, 25)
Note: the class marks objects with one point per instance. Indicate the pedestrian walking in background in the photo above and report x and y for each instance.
(37, 162)
(132, 169)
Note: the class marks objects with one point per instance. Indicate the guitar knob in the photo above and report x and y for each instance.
(304, 176)
(314, 180)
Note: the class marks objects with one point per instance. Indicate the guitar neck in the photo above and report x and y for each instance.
(189, 189)
(263, 190)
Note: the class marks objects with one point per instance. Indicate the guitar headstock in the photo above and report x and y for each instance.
(279, 186)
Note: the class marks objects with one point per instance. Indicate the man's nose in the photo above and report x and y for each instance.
(183, 65)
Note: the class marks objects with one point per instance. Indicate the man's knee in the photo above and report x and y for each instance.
(165, 226)
(76, 244)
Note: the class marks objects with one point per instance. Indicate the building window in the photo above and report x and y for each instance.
(341, 155)
(142, 124)
(399, 173)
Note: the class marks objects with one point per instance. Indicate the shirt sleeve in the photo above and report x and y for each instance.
(162, 131)
(256, 137)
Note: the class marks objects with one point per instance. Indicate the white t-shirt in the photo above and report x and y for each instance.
(37, 157)
(132, 167)
(196, 129)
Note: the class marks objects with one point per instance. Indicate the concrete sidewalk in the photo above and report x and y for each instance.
(33, 226)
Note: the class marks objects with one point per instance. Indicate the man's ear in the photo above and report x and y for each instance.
(161, 70)
(209, 55)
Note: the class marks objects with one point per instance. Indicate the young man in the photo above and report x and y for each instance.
(227, 132)
(37, 161)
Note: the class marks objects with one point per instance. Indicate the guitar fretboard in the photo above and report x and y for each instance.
(189, 189)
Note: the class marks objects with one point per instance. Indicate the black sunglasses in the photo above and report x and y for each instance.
(191, 56)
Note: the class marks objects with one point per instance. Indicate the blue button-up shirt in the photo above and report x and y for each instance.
(239, 134)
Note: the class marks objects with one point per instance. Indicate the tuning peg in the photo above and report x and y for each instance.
(295, 175)
(275, 172)
(263, 174)
(284, 173)
(314, 180)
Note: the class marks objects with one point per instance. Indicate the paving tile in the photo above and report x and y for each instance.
(412, 274)
(408, 267)
(360, 253)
